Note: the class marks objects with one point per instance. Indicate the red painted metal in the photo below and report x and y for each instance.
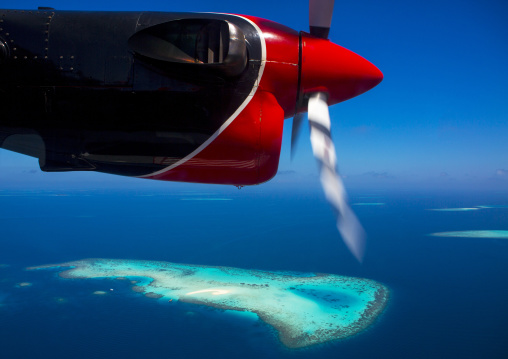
(245, 153)
(330, 68)
(280, 76)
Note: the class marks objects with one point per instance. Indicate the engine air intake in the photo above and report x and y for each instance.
(215, 44)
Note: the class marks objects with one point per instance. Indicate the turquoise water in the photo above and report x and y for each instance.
(474, 234)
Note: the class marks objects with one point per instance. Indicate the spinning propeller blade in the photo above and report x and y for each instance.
(324, 151)
(330, 74)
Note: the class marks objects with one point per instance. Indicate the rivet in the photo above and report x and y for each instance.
(72, 68)
(15, 57)
(45, 57)
(25, 57)
(35, 57)
(15, 48)
(61, 57)
(72, 57)
(6, 34)
(46, 40)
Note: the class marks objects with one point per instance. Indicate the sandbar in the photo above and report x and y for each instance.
(473, 234)
(495, 206)
(24, 284)
(454, 209)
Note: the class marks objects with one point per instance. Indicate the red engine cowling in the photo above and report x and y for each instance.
(247, 151)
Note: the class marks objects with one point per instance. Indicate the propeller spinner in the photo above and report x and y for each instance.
(330, 74)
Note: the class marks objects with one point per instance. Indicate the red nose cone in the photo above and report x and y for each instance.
(327, 67)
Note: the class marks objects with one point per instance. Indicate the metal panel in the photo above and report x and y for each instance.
(93, 48)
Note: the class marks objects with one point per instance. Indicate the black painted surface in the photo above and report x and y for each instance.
(71, 79)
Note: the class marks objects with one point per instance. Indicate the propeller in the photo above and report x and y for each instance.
(330, 74)
(320, 17)
(324, 151)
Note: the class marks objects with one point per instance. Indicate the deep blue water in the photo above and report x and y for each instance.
(448, 295)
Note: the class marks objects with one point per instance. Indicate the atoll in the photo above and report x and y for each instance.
(305, 308)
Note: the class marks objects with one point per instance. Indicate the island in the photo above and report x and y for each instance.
(454, 209)
(502, 234)
(304, 308)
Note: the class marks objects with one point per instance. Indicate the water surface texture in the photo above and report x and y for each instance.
(447, 297)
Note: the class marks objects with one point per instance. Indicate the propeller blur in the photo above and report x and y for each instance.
(331, 74)
(324, 151)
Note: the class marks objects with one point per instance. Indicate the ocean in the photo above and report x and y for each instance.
(448, 295)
